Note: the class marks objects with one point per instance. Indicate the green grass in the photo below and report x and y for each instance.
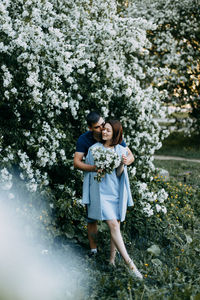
(180, 115)
(179, 170)
(176, 144)
(171, 275)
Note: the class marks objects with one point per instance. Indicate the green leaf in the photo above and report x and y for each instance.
(188, 238)
(154, 249)
(157, 262)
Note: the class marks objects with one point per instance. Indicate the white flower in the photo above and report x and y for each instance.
(62, 152)
(162, 195)
(32, 186)
(5, 175)
(128, 92)
(26, 133)
(10, 156)
(21, 176)
(158, 207)
(133, 171)
(148, 209)
(64, 105)
(164, 209)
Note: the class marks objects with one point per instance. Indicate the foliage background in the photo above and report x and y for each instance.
(60, 59)
(175, 47)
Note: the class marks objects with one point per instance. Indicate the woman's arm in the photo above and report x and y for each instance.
(126, 160)
(130, 158)
(120, 169)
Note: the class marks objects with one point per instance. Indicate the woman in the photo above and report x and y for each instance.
(108, 200)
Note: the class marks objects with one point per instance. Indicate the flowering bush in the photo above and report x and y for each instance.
(106, 160)
(5, 179)
(175, 49)
(57, 61)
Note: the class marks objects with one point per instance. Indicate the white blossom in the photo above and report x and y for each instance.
(66, 69)
(5, 179)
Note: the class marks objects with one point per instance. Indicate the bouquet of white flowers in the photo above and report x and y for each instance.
(105, 160)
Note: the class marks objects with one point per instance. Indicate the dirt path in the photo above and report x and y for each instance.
(163, 157)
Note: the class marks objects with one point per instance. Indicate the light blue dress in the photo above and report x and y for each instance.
(108, 199)
(109, 193)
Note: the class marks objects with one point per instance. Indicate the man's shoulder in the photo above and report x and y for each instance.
(123, 143)
(84, 141)
(85, 135)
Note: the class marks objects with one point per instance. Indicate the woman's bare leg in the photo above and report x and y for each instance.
(117, 240)
(113, 249)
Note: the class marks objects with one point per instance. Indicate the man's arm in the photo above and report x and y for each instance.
(129, 159)
(79, 164)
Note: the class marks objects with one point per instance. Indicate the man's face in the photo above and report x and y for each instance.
(96, 128)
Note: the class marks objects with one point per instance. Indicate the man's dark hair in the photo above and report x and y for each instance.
(92, 118)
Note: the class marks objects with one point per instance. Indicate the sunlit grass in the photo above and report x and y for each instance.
(183, 171)
(176, 144)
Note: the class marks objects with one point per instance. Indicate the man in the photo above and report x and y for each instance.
(95, 124)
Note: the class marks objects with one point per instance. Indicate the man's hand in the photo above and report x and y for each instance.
(101, 171)
(79, 164)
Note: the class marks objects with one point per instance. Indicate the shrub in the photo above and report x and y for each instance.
(59, 60)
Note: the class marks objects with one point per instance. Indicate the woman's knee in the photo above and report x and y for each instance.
(113, 225)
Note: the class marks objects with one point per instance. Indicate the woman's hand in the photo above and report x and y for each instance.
(124, 159)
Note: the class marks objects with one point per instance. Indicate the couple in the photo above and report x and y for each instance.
(108, 199)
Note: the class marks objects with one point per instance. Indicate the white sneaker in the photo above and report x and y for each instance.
(134, 269)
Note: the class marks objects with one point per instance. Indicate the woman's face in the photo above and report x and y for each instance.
(107, 132)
